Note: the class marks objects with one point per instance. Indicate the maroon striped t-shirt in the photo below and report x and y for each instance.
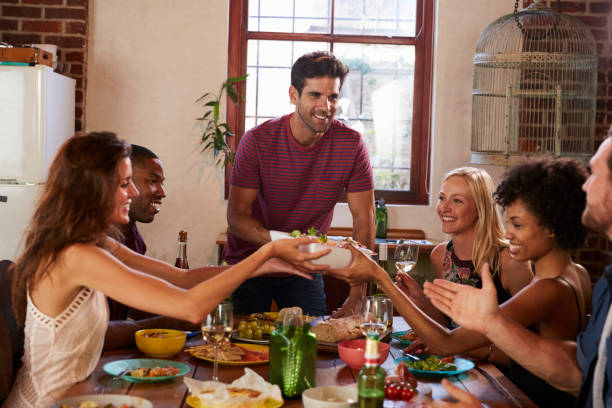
(298, 186)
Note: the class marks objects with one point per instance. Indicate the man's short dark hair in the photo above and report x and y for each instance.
(317, 64)
(140, 153)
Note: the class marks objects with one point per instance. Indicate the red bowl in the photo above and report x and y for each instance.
(352, 351)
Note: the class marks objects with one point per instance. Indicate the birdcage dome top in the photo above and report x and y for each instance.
(537, 36)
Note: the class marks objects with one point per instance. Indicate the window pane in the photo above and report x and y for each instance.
(310, 16)
(375, 17)
(376, 100)
(269, 67)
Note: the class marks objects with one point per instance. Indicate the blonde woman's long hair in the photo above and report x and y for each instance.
(489, 231)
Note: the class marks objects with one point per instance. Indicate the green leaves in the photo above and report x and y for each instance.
(215, 134)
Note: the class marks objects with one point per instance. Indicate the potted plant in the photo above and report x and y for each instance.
(215, 134)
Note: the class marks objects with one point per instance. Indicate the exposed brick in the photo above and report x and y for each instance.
(67, 41)
(21, 11)
(74, 27)
(600, 7)
(10, 1)
(61, 12)
(594, 21)
(42, 26)
(609, 105)
(77, 125)
(78, 2)
(79, 83)
(76, 69)
(610, 91)
(20, 39)
(6, 24)
(78, 111)
(79, 94)
(600, 35)
(74, 57)
(570, 6)
(47, 2)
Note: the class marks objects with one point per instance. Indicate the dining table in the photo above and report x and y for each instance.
(485, 381)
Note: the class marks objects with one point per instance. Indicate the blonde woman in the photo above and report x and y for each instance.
(468, 214)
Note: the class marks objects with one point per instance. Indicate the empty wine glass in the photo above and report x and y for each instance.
(216, 328)
(406, 256)
(374, 315)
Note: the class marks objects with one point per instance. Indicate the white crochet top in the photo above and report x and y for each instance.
(59, 351)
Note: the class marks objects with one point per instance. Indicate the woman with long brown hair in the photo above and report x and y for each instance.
(70, 262)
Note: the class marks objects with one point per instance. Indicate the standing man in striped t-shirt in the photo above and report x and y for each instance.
(288, 174)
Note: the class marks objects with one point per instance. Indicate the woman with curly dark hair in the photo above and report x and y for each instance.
(70, 262)
(543, 201)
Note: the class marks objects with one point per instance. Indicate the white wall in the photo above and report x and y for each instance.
(150, 59)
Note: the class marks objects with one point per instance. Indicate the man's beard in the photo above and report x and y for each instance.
(311, 127)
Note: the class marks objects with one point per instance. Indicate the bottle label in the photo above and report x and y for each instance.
(382, 251)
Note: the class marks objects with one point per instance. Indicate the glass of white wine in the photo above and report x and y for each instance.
(374, 315)
(406, 256)
(217, 328)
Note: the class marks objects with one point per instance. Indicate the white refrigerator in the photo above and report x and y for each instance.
(36, 117)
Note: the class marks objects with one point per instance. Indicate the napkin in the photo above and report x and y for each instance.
(220, 398)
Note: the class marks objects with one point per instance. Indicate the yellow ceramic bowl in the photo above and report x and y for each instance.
(160, 342)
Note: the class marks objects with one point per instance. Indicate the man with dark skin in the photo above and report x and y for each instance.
(148, 177)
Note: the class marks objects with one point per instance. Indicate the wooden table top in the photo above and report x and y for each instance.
(485, 380)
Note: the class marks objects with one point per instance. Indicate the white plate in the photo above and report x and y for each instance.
(103, 399)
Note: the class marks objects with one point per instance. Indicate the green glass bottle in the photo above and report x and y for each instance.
(380, 219)
(371, 379)
(293, 359)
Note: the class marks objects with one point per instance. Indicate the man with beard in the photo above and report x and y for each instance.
(582, 367)
(288, 174)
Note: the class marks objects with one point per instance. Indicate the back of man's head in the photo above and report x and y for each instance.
(315, 65)
(141, 153)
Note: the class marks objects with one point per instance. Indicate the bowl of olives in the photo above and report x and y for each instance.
(255, 328)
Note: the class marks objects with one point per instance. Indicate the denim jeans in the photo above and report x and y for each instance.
(255, 295)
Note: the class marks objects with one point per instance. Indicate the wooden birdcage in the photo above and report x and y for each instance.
(535, 79)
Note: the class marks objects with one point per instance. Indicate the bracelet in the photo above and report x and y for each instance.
(489, 352)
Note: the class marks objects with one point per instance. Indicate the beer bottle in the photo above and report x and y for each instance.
(181, 256)
(371, 378)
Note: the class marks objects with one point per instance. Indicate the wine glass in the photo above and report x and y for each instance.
(406, 256)
(374, 315)
(216, 328)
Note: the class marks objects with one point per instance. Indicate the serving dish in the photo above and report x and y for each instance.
(260, 349)
(330, 397)
(462, 365)
(104, 399)
(352, 352)
(160, 342)
(117, 367)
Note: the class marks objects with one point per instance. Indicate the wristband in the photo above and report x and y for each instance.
(274, 235)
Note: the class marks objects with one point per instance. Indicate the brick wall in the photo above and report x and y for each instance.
(597, 15)
(60, 22)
